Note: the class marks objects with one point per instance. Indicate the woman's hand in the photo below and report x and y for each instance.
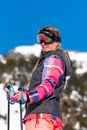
(19, 94)
(7, 91)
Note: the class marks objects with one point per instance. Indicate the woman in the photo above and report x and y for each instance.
(47, 82)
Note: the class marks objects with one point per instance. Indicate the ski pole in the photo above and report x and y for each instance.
(8, 126)
(21, 123)
(21, 102)
(11, 90)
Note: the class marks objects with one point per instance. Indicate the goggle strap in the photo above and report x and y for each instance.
(51, 35)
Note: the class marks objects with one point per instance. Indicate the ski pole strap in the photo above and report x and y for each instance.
(21, 89)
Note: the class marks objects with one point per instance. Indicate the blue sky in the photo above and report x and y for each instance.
(20, 20)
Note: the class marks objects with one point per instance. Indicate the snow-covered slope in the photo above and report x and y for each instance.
(28, 50)
(79, 57)
(81, 61)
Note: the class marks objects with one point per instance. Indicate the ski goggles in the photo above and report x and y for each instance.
(43, 38)
(47, 36)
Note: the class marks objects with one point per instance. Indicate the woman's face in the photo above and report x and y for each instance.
(50, 47)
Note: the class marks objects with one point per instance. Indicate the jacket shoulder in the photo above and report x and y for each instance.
(66, 60)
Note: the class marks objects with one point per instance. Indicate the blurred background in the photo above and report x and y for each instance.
(19, 51)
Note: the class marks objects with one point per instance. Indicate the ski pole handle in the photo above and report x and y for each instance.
(11, 92)
(22, 98)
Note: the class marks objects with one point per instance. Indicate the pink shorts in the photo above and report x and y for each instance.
(43, 124)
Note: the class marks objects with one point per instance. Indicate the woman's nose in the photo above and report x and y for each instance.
(43, 43)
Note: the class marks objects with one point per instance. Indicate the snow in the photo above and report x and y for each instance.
(81, 61)
(78, 56)
(7, 77)
(77, 126)
(75, 96)
(28, 50)
(2, 59)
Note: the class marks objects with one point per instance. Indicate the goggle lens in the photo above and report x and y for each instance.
(44, 38)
